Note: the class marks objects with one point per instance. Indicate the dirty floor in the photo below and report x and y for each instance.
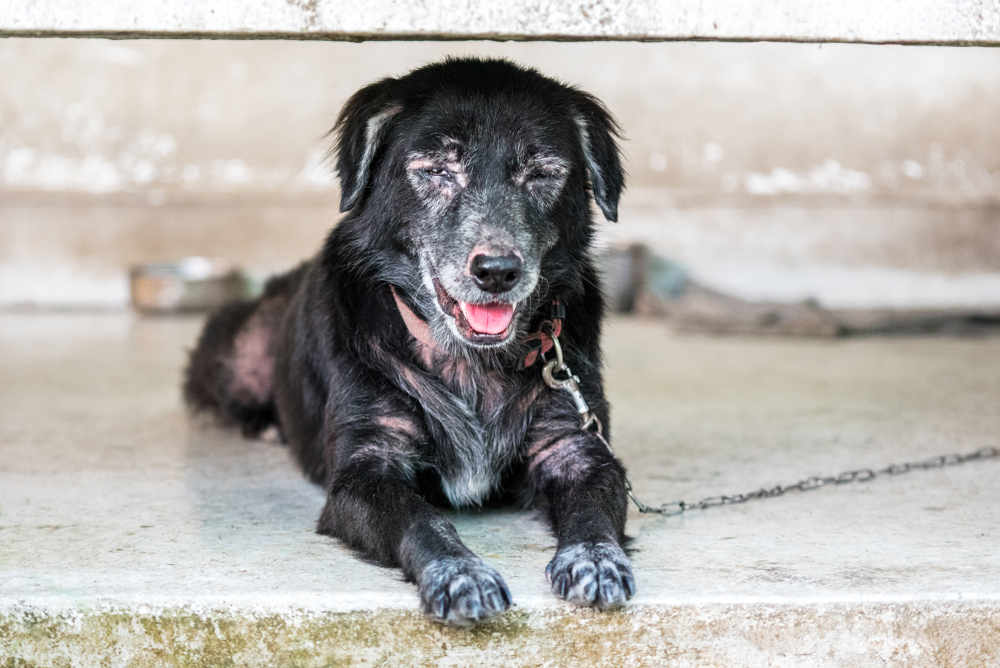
(130, 535)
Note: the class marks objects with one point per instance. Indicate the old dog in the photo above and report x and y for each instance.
(401, 364)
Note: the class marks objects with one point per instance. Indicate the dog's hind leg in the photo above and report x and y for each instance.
(231, 369)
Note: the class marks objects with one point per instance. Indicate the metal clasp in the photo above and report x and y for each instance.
(569, 384)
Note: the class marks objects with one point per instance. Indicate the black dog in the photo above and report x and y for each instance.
(403, 363)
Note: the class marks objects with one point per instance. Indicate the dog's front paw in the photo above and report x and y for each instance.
(597, 574)
(462, 590)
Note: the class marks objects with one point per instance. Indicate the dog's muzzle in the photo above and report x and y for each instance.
(483, 324)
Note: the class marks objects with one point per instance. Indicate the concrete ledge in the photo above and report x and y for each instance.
(912, 634)
(959, 22)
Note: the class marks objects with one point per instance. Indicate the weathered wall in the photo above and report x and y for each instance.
(858, 174)
(905, 21)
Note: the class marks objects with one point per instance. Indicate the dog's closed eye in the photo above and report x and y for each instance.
(543, 171)
(543, 178)
(433, 176)
(434, 167)
(543, 174)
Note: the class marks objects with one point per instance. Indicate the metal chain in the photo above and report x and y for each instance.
(812, 482)
(588, 421)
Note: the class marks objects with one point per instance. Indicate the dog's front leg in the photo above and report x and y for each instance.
(378, 511)
(582, 487)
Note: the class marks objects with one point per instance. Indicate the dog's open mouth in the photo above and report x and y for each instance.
(479, 323)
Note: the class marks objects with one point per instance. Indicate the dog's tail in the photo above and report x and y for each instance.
(230, 372)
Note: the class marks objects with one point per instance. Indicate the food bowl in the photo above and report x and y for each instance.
(189, 284)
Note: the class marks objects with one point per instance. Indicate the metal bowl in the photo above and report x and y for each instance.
(187, 285)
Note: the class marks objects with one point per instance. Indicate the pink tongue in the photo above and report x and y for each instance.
(488, 318)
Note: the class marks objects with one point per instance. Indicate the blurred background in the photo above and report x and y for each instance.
(855, 176)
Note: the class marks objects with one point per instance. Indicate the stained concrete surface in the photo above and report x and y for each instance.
(130, 535)
(908, 21)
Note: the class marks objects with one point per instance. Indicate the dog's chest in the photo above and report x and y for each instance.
(477, 435)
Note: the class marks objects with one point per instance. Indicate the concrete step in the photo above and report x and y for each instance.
(131, 536)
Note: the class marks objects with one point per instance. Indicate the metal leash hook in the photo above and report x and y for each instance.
(569, 384)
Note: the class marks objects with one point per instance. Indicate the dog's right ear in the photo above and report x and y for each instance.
(360, 129)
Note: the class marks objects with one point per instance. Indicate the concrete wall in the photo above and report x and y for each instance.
(856, 174)
(902, 21)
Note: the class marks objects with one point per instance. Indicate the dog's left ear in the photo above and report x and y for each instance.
(599, 135)
(360, 129)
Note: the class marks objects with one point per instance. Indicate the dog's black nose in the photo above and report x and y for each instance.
(496, 273)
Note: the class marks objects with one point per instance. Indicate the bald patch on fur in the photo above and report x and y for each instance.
(401, 424)
(565, 458)
(252, 362)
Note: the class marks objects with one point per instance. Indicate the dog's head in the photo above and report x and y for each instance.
(470, 179)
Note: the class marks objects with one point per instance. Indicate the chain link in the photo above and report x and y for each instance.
(590, 422)
(812, 482)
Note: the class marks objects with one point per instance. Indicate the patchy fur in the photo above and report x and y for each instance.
(383, 389)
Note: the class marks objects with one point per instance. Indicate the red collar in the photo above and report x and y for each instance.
(539, 342)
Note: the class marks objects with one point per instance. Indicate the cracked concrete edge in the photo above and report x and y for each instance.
(436, 36)
(961, 22)
(914, 633)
